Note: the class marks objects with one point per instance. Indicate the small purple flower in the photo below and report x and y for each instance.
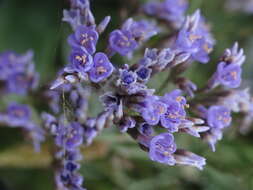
(161, 149)
(218, 117)
(127, 77)
(20, 83)
(126, 123)
(101, 69)
(234, 55)
(150, 116)
(18, 112)
(157, 59)
(229, 75)
(81, 4)
(212, 136)
(175, 95)
(122, 42)
(81, 60)
(175, 112)
(70, 136)
(184, 157)
(89, 134)
(195, 39)
(145, 129)
(85, 37)
(73, 17)
(143, 73)
(141, 30)
(103, 24)
(153, 110)
(169, 10)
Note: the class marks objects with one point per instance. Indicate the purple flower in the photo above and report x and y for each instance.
(103, 24)
(70, 136)
(195, 39)
(229, 75)
(127, 77)
(175, 113)
(73, 17)
(67, 180)
(18, 112)
(20, 83)
(169, 10)
(218, 117)
(161, 149)
(175, 95)
(11, 62)
(89, 134)
(81, 60)
(143, 73)
(141, 30)
(85, 37)
(101, 69)
(153, 110)
(19, 115)
(184, 157)
(150, 116)
(157, 59)
(126, 123)
(81, 4)
(145, 129)
(122, 42)
(212, 136)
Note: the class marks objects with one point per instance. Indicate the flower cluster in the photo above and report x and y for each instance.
(17, 73)
(20, 116)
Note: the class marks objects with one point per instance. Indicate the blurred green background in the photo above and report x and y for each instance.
(115, 161)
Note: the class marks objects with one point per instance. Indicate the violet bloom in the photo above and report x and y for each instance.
(101, 69)
(184, 157)
(18, 115)
(81, 60)
(126, 123)
(212, 136)
(170, 10)
(143, 74)
(85, 37)
(229, 75)
(145, 129)
(195, 39)
(173, 116)
(141, 30)
(175, 95)
(21, 83)
(153, 111)
(70, 136)
(81, 4)
(73, 17)
(161, 149)
(122, 42)
(157, 59)
(218, 117)
(127, 77)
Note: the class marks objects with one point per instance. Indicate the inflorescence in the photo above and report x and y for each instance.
(128, 103)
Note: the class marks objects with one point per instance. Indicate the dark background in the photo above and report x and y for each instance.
(114, 161)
